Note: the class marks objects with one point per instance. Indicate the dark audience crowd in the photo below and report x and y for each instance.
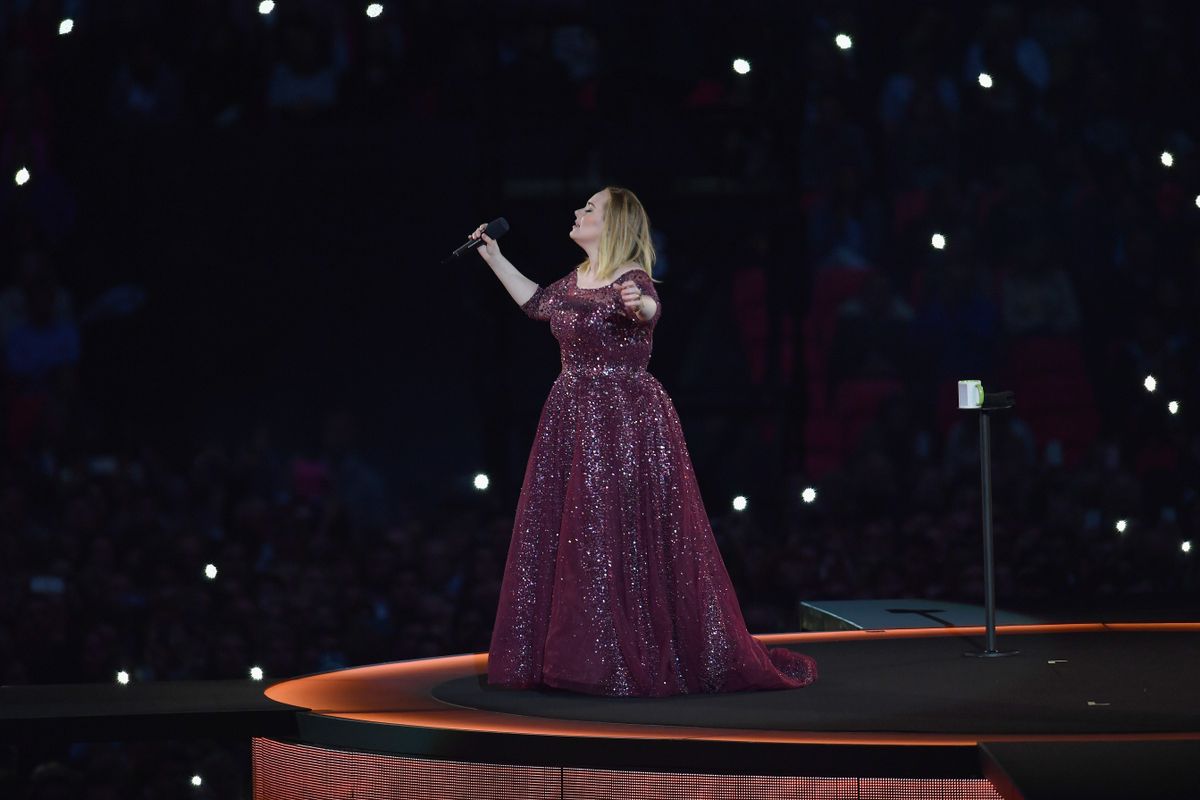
(1068, 261)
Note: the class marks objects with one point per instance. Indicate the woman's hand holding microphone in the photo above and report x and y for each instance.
(489, 251)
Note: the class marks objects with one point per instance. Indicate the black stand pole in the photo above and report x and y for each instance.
(989, 559)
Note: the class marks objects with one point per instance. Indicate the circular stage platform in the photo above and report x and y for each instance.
(894, 714)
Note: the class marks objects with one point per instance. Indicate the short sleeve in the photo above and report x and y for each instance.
(642, 279)
(538, 307)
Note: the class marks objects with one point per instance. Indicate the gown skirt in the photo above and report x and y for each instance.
(614, 584)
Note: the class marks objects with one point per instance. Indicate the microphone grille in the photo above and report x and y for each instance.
(497, 227)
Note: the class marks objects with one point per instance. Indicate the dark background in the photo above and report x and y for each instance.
(304, 393)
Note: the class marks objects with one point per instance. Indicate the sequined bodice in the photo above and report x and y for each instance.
(594, 333)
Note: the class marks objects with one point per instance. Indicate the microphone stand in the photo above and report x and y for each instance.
(993, 401)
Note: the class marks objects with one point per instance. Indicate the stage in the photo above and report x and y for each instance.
(896, 713)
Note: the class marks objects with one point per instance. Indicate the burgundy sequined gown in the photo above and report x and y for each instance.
(614, 584)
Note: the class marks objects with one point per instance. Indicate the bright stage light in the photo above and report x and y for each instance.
(1167, 159)
(197, 780)
(256, 673)
(1186, 546)
(938, 241)
(809, 494)
(374, 10)
(481, 481)
(741, 66)
(1150, 383)
(739, 503)
(1198, 201)
(210, 571)
(843, 41)
(985, 80)
(22, 176)
(1121, 525)
(123, 678)
(266, 7)
(66, 26)
(1173, 406)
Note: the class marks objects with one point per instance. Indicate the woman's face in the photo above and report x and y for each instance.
(589, 219)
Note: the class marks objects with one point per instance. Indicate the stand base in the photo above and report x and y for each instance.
(991, 653)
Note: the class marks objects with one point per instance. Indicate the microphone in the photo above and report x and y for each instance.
(495, 229)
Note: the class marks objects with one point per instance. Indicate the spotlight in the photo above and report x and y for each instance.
(1186, 546)
(256, 673)
(123, 678)
(22, 176)
(197, 780)
(739, 503)
(843, 41)
(66, 26)
(266, 7)
(938, 241)
(1150, 383)
(1121, 525)
(741, 66)
(1198, 201)
(1173, 406)
(1167, 159)
(374, 10)
(481, 481)
(210, 571)
(809, 494)
(985, 80)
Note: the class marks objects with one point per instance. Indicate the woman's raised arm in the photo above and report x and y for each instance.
(519, 287)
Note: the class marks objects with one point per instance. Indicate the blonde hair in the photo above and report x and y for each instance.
(624, 237)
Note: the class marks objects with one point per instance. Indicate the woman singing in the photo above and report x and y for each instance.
(614, 584)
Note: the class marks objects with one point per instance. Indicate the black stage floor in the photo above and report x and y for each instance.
(170, 709)
(1063, 683)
